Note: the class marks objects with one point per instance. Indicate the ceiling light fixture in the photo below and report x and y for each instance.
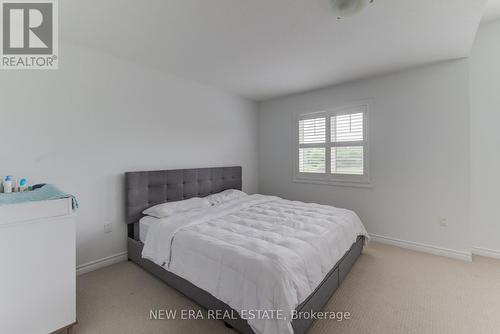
(347, 8)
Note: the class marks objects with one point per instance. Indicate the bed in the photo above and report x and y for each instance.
(145, 189)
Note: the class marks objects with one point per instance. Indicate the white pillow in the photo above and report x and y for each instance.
(168, 209)
(224, 196)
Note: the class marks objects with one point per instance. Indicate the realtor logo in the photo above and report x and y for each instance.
(29, 36)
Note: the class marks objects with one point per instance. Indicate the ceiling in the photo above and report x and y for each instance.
(261, 49)
(492, 11)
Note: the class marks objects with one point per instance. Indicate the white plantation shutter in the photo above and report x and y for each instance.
(347, 127)
(347, 139)
(332, 145)
(312, 160)
(312, 141)
(312, 131)
(347, 160)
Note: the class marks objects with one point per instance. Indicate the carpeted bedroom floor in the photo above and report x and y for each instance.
(389, 290)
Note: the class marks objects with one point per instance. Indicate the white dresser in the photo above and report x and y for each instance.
(37, 267)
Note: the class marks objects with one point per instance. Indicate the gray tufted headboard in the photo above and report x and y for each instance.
(145, 189)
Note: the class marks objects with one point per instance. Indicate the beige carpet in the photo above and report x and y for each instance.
(389, 290)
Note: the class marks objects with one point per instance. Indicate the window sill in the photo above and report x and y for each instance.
(335, 182)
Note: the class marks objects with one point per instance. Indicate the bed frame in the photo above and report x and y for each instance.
(145, 189)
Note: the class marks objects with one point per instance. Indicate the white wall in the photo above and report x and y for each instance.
(419, 146)
(82, 126)
(485, 139)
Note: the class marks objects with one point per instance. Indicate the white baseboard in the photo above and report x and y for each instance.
(101, 263)
(419, 247)
(486, 252)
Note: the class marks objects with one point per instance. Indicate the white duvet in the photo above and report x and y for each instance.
(256, 252)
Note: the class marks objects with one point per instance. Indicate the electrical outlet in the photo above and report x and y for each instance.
(108, 227)
(443, 221)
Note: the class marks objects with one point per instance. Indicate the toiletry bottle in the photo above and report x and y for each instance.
(15, 187)
(23, 185)
(7, 184)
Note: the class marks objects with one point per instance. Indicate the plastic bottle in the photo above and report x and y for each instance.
(15, 187)
(7, 184)
(23, 185)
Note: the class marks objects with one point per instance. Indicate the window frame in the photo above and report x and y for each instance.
(348, 180)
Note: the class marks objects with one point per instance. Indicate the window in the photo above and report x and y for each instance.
(333, 146)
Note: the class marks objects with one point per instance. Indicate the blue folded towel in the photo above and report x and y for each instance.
(43, 193)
